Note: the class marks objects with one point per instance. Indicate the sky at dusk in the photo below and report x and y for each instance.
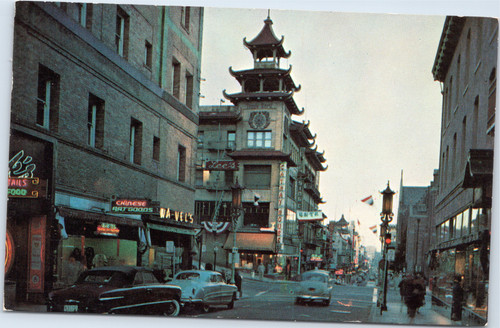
(367, 90)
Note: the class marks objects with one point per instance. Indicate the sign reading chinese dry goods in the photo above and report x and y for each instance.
(221, 165)
(133, 206)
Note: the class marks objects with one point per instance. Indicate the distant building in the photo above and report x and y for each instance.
(257, 143)
(104, 108)
(465, 66)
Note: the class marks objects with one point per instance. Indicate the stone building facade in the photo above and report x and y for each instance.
(465, 66)
(104, 112)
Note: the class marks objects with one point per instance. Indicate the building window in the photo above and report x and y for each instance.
(189, 90)
(47, 100)
(148, 55)
(201, 138)
(176, 78)
(156, 149)
(95, 122)
(231, 140)
(198, 178)
(181, 164)
(291, 188)
(492, 99)
(229, 178)
(475, 123)
(463, 153)
(257, 176)
(259, 139)
(256, 216)
(85, 14)
(121, 32)
(135, 141)
(185, 17)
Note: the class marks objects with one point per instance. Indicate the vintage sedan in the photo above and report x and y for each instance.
(117, 290)
(204, 289)
(315, 285)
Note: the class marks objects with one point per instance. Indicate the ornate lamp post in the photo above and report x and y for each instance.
(236, 191)
(386, 216)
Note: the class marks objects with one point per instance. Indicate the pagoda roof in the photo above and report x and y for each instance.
(266, 72)
(301, 134)
(316, 159)
(287, 97)
(342, 221)
(266, 42)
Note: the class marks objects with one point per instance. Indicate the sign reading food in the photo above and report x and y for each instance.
(133, 206)
(27, 188)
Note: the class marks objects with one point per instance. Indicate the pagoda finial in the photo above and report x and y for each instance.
(269, 14)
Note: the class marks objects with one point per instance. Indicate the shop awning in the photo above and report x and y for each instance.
(72, 213)
(166, 228)
(479, 168)
(252, 241)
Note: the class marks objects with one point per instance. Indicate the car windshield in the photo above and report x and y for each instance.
(104, 277)
(314, 277)
(188, 276)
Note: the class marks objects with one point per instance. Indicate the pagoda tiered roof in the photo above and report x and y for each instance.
(286, 97)
(301, 134)
(266, 43)
(316, 159)
(246, 75)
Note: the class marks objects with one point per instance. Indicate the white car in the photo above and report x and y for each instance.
(314, 285)
(204, 289)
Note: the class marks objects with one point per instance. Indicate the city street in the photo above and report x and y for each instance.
(275, 301)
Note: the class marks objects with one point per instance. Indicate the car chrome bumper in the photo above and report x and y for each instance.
(313, 297)
(189, 300)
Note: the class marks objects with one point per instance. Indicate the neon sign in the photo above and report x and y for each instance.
(166, 213)
(133, 206)
(20, 166)
(26, 188)
(107, 229)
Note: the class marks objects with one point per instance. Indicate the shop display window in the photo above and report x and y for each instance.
(476, 283)
(443, 276)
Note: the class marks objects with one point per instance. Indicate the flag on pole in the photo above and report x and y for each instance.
(374, 228)
(359, 224)
(368, 200)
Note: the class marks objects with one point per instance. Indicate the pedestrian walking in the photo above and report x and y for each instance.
(458, 296)
(413, 296)
(402, 290)
(238, 282)
(261, 269)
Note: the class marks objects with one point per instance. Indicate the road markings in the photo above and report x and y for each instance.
(374, 296)
(262, 293)
(340, 311)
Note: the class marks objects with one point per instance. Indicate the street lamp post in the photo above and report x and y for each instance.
(236, 190)
(386, 216)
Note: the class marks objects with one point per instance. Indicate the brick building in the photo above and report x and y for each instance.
(257, 143)
(104, 108)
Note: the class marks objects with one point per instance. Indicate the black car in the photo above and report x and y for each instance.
(119, 290)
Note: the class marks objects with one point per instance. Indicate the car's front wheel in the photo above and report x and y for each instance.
(205, 308)
(172, 308)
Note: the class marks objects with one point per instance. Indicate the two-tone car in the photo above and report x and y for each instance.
(117, 290)
(314, 285)
(204, 289)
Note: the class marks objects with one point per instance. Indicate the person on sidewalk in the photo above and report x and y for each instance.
(413, 296)
(261, 269)
(458, 296)
(238, 283)
(402, 287)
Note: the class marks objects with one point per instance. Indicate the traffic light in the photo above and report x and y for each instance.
(387, 239)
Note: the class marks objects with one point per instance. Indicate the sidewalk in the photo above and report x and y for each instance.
(396, 313)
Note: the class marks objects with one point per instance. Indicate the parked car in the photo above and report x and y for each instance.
(315, 285)
(204, 289)
(118, 290)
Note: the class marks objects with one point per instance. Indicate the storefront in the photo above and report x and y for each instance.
(29, 218)
(254, 248)
(93, 239)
